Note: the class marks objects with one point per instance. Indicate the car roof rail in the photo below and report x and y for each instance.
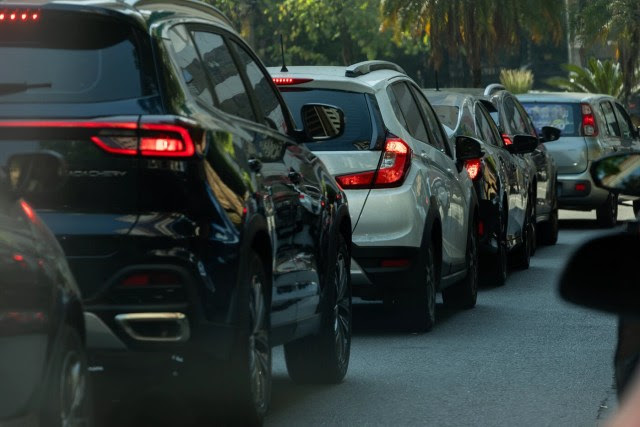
(493, 88)
(201, 6)
(366, 67)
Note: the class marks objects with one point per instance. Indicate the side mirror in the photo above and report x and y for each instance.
(322, 122)
(619, 173)
(549, 133)
(523, 144)
(601, 274)
(34, 173)
(468, 148)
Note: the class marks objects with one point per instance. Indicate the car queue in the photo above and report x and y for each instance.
(210, 208)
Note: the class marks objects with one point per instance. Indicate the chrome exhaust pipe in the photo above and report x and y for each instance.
(155, 327)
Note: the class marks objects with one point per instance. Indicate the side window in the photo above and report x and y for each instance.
(185, 55)
(396, 108)
(439, 138)
(264, 91)
(410, 111)
(610, 118)
(230, 93)
(626, 127)
(484, 128)
(515, 120)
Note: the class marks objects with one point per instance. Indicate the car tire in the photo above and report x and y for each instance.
(607, 213)
(250, 373)
(324, 358)
(549, 229)
(464, 294)
(67, 399)
(418, 308)
(636, 207)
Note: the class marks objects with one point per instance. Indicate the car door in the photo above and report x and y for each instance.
(304, 185)
(455, 227)
(497, 162)
(627, 130)
(611, 136)
(266, 158)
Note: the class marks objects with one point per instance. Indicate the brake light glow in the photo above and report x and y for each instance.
(166, 140)
(581, 186)
(589, 127)
(28, 210)
(19, 15)
(285, 81)
(473, 167)
(396, 160)
(506, 139)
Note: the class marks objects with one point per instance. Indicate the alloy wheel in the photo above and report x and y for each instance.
(259, 346)
(72, 390)
(342, 310)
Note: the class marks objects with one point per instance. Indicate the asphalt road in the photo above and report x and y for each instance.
(521, 357)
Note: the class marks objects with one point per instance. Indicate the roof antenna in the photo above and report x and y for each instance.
(284, 65)
(437, 84)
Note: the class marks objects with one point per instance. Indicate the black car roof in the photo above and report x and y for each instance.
(144, 10)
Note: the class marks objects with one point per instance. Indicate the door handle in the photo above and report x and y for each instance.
(255, 165)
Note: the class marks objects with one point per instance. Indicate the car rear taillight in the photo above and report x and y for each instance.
(287, 81)
(148, 287)
(474, 168)
(126, 138)
(506, 139)
(589, 127)
(395, 163)
(15, 16)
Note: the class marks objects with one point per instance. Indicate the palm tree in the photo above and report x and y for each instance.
(476, 29)
(597, 77)
(602, 20)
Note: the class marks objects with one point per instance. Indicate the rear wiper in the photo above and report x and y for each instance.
(11, 88)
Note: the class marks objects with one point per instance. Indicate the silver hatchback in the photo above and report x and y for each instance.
(592, 126)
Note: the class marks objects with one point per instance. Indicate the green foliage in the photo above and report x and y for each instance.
(476, 29)
(597, 21)
(598, 77)
(516, 81)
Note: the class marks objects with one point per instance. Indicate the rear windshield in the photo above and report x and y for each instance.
(563, 116)
(70, 57)
(358, 128)
(448, 114)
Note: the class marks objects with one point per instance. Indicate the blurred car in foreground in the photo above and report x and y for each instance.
(412, 204)
(502, 188)
(199, 229)
(592, 126)
(602, 273)
(43, 365)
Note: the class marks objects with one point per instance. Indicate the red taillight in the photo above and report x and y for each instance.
(286, 81)
(124, 138)
(28, 210)
(395, 163)
(589, 127)
(474, 168)
(506, 139)
(581, 187)
(19, 15)
(152, 278)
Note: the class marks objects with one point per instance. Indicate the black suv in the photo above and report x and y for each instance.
(196, 225)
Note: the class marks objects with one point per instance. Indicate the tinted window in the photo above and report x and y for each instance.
(624, 121)
(565, 117)
(229, 90)
(448, 114)
(484, 128)
(409, 109)
(186, 57)
(262, 87)
(515, 123)
(439, 140)
(358, 128)
(100, 60)
(610, 118)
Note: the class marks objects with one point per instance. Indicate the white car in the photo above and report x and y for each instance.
(412, 204)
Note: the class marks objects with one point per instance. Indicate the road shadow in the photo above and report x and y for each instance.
(377, 319)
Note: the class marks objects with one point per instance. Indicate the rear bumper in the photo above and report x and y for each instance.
(571, 194)
(379, 271)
